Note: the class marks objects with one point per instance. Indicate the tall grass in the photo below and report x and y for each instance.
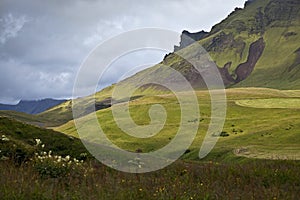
(258, 179)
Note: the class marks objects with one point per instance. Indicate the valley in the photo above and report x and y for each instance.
(45, 144)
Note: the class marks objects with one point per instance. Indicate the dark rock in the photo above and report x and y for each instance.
(188, 38)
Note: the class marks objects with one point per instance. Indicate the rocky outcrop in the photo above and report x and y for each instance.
(188, 38)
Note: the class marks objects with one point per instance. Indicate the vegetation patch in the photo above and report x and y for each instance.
(270, 103)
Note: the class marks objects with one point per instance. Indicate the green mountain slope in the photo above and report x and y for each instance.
(257, 46)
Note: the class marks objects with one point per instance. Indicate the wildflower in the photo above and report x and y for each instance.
(67, 158)
(38, 141)
(140, 189)
(4, 138)
(43, 145)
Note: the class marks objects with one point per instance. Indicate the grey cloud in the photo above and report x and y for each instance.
(10, 26)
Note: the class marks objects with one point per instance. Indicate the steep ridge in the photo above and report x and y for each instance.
(254, 46)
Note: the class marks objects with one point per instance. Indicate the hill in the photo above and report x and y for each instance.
(18, 140)
(32, 107)
(255, 46)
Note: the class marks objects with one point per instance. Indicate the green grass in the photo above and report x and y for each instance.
(261, 131)
(270, 103)
(22, 141)
(258, 160)
(27, 118)
(258, 179)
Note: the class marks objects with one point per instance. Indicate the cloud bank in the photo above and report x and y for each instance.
(43, 43)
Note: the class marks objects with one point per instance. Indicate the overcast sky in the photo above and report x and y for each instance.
(43, 43)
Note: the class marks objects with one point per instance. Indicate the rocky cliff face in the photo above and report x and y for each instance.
(188, 38)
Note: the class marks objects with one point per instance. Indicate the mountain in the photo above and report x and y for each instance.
(255, 46)
(32, 107)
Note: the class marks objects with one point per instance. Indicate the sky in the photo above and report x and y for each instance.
(43, 43)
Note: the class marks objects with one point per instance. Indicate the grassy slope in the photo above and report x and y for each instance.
(27, 118)
(254, 132)
(272, 69)
(22, 140)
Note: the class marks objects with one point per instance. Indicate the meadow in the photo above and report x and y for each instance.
(253, 179)
(256, 157)
(260, 123)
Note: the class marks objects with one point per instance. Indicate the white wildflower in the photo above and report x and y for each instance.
(38, 141)
(4, 138)
(67, 158)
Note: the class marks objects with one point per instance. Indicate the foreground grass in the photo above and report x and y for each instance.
(252, 180)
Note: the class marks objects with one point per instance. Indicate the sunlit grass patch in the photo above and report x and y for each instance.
(270, 103)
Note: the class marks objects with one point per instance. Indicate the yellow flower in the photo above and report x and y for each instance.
(140, 189)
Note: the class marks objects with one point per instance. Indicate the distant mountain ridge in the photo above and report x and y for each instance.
(32, 107)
